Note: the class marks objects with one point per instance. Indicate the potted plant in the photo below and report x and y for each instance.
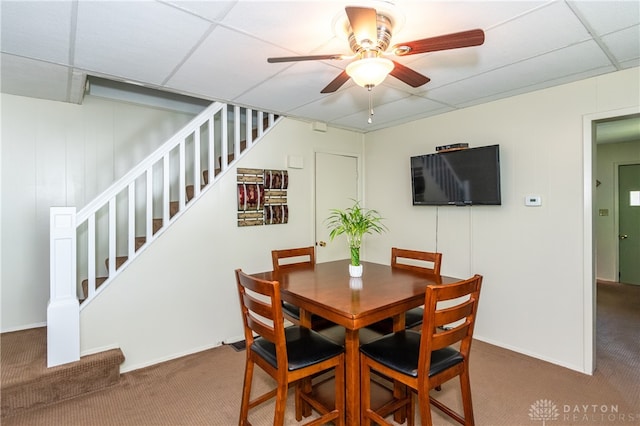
(354, 222)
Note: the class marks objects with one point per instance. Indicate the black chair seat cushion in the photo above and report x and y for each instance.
(304, 348)
(400, 351)
(412, 318)
(292, 310)
(317, 322)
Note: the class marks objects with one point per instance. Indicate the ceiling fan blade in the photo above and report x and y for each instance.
(443, 42)
(363, 21)
(304, 58)
(409, 76)
(337, 82)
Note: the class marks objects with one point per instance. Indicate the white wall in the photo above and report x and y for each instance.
(531, 257)
(61, 154)
(179, 296)
(609, 157)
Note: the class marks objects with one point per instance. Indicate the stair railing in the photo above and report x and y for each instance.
(164, 184)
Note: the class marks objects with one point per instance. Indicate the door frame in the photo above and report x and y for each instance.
(359, 182)
(589, 253)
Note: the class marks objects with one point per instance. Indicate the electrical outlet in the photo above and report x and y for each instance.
(532, 200)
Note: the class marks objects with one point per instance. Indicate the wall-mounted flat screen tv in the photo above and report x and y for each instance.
(463, 177)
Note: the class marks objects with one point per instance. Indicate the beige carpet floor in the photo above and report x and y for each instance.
(508, 388)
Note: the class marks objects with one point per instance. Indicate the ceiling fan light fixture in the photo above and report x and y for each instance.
(369, 72)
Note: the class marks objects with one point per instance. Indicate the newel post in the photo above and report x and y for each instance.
(63, 311)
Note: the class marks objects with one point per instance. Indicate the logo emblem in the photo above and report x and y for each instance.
(543, 410)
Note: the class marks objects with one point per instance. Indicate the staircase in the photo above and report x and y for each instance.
(174, 208)
(191, 183)
(126, 218)
(27, 383)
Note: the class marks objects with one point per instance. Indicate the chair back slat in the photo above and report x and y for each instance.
(262, 329)
(449, 337)
(417, 260)
(302, 257)
(452, 314)
(258, 306)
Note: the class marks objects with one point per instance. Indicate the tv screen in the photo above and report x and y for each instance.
(464, 177)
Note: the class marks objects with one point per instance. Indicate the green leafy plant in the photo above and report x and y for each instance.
(354, 222)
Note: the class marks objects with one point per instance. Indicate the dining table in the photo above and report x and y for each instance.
(327, 290)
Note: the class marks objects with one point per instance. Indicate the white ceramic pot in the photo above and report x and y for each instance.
(355, 271)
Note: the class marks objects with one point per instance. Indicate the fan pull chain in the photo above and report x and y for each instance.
(370, 119)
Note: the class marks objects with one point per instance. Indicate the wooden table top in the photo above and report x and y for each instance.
(329, 291)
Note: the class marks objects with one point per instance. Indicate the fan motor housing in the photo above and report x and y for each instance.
(384, 33)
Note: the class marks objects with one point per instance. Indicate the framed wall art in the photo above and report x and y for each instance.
(262, 197)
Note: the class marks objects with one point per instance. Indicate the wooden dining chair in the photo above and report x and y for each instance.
(300, 257)
(288, 355)
(427, 359)
(423, 262)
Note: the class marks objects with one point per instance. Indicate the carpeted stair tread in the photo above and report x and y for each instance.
(190, 190)
(85, 285)
(157, 225)
(120, 260)
(139, 242)
(28, 383)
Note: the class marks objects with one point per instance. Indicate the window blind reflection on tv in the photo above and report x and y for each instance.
(463, 177)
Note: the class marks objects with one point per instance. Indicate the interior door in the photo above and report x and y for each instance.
(629, 223)
(336, 188)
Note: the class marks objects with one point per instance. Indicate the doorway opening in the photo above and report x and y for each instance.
(597, 126)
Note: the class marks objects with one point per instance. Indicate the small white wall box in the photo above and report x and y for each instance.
(532, 200)
(319, 126)
(295, 162)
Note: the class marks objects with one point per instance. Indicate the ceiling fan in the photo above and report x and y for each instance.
(370, 34)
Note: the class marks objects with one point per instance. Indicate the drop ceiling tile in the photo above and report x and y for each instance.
(539, 86)
(630, 64)
(449, 66)
(624, 44)
(506, 43)
(347, 100)
(554, 65)
(301, 27)
(538, 32)
(35, 79)
(210, 10)
(393, 113)
(608, 16)
(434, 18)
(36, 29)
(215, 68)
(350, 101)
(141, 41)
(298, 84)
